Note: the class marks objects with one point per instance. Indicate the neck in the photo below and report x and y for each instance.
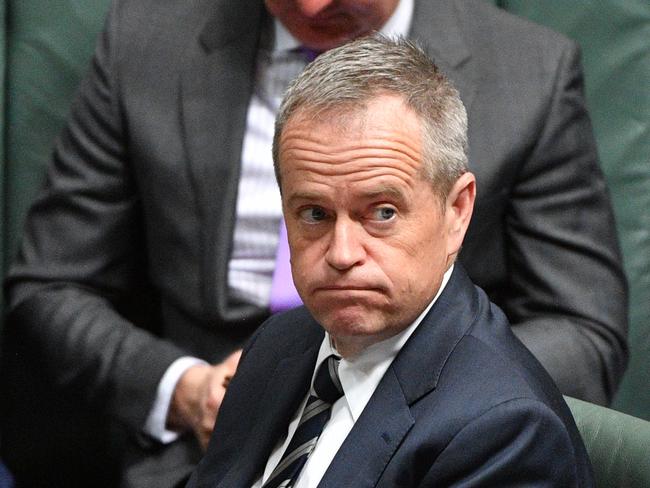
(349, 347)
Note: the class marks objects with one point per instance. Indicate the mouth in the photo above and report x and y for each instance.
(347, 288)
(328, 18)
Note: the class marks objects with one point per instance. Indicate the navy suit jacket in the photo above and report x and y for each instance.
(464, 403)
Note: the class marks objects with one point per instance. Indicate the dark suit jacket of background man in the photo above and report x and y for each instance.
(135, 224)
(463, 404)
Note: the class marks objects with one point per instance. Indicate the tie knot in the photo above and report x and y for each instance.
(308, 53)
(327, 384)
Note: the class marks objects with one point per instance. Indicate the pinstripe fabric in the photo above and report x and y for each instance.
(259, 210)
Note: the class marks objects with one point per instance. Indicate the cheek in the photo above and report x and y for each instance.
(305, 256)
(414, 262)
(405, 249)
(371, 13)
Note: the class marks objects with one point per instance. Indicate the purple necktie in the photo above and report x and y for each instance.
(283, 293)
(309, 53)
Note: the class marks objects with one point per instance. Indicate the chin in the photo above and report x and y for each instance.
(349, 322)
(328, 38)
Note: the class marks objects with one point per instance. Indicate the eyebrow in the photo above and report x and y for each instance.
(384, 190)
(305, 195)
(370, 194)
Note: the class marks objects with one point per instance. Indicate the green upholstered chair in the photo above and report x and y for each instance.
(618, 445)
(47, 47)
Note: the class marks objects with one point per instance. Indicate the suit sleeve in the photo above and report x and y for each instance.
(81, 270)
(516, 443)
(568, 301)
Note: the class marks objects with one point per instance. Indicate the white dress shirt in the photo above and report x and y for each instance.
(255, 239)
(359, 378)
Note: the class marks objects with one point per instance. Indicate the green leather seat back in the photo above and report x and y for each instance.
(615, 39)
(618, 445)
(3, 49)
(48, 46)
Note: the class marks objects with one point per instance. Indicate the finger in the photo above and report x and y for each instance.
(233, 360)
(207, 424)
(215, 395)
(204, 439)
(206, 427)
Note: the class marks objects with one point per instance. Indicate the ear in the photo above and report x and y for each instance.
(458, 211)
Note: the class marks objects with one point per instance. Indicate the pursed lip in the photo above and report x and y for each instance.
(348, 288)
(327, 18)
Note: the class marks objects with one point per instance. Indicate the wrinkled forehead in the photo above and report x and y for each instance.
(378, 131)
(381, 137)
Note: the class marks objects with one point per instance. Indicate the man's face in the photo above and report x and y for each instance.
(369, 238)
(325, 24)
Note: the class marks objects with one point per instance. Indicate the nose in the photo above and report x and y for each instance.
(346, 248)
(310, 8)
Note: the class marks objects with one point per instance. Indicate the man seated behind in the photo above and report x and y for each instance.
(415, 375)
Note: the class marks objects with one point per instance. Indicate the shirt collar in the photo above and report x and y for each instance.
(398, 24)
(360, 375)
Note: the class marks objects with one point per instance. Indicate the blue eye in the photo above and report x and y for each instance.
(384, 213)
(313, 214)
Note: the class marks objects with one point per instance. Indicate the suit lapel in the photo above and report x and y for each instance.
(285, 390)
(420, 362)
(217, 84)
(373, 440)
(438, 26)
(387, 419)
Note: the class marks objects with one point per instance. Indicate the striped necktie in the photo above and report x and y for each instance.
(314, 417)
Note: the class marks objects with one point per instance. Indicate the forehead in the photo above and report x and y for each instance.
(379, 141)
(384, 120)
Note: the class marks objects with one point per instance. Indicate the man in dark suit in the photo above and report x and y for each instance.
(136, 254)
(370, 157)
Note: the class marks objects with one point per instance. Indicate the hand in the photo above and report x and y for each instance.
(198, 395)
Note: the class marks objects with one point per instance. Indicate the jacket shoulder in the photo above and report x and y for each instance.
(485, 20)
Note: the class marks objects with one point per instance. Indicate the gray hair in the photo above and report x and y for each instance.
(353, 74)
